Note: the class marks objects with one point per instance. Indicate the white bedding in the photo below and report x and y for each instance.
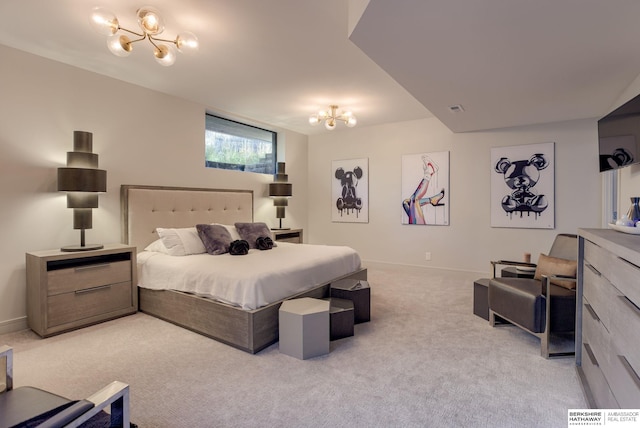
(249, 281)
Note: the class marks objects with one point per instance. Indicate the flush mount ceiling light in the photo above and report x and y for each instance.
(331, 117)
(151, 24)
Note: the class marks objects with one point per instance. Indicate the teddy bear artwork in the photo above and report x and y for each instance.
(522, 186)
(350, 191)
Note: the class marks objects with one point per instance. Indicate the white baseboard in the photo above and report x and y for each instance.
(13, 325)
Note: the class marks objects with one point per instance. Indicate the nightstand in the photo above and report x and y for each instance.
(287, 235)
(70, 290)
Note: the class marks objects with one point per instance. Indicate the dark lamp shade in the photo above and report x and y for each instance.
(82, 180)
(280, 190)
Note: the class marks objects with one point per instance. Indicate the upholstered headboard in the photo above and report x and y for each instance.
(144, 208)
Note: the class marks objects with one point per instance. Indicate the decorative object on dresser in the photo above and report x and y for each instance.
(280, 191)
(608, 324)
(287, 235)
(544, 305)
(82, 180)
(66, 290)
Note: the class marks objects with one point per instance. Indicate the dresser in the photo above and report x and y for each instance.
(69, 290)
(608, 324)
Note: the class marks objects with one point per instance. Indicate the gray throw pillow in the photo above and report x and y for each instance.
(216, 238)
(250, 232)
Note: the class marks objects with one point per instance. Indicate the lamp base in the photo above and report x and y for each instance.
(70, 248)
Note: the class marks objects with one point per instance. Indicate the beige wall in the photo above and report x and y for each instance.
(468, 243)
(141, 137)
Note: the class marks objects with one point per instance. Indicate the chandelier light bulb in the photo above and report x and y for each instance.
(330, 124)
(165, 55)
(150, 21)
(314, 120)
(119, 45)
(187, 42)
(351, 122)
(104, 22)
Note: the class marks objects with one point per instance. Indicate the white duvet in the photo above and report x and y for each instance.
(249, 281)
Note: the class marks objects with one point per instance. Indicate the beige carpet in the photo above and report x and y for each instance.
(423, 360)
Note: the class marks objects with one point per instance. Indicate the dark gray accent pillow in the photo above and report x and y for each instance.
(216, 238)
(250, 232)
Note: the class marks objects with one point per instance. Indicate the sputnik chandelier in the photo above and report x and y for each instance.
(332, 116)
(151, 24)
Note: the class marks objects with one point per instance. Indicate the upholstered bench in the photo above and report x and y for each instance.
(304, 327)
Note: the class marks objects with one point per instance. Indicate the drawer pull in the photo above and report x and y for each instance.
(630, 370)
(592, 312)
(90, 290)
(96, 266)
(592, 269)
(592, 357)
(629, 263)
(630, 304)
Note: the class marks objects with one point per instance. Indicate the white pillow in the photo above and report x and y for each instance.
(232, 231)
(157, 246)
(181, 242)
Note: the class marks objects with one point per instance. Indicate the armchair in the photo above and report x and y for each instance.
(27, 406)
(545, 304)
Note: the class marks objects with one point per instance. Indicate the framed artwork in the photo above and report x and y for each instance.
(523, 186)
(425, 188)
(350, 191)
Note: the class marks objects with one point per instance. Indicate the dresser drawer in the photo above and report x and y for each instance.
(599, 292)
(625, 331)
(598, 385)
(87, 303)
(624, 381)
(87, 276)
(595, 333)
(598, 257)
(626, 277)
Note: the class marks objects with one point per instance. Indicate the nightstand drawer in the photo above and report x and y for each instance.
(88, 276)
(86, 303)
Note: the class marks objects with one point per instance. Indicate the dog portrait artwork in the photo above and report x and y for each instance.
(522, 186)
(350, 193)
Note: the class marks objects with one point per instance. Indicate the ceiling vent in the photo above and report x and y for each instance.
(456, 108)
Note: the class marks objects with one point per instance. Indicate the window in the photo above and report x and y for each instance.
(234, 145)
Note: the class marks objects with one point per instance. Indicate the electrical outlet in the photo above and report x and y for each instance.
(427, 256)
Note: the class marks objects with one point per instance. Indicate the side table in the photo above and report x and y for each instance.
(514, 272)
(304, 327)
(359, 292)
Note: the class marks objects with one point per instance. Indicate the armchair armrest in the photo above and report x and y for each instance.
(116, 395)
(6, 363)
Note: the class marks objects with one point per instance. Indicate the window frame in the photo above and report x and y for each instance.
(235, 124)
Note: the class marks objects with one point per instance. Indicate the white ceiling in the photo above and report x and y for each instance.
(507, 62)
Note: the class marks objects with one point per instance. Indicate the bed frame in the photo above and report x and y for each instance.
(144, 208)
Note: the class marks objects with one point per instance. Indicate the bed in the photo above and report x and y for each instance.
(145, 208)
